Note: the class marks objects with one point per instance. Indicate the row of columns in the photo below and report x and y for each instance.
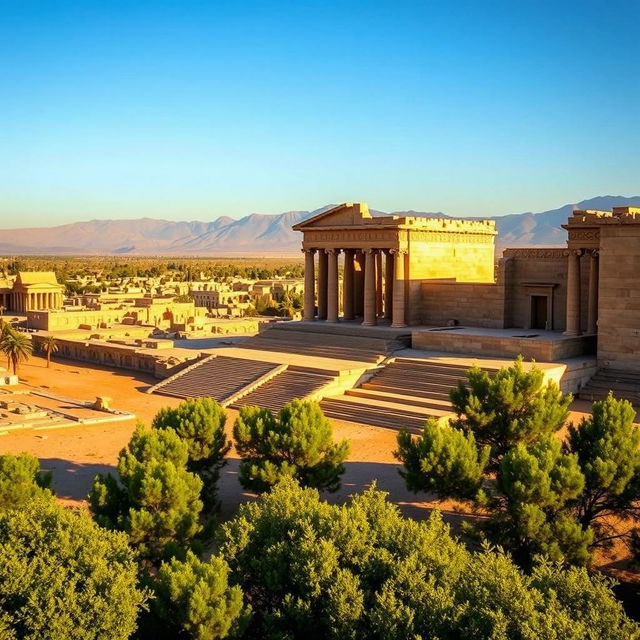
(574, 292)
(35, 301)
(369, 292)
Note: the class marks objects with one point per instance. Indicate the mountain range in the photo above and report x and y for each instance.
(255, 234)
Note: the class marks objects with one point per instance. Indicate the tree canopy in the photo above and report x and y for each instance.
(317, 571)
(21, 480)
(200, 425)
(155, 500)
(297, 442)
(62, 577)
(502, 456)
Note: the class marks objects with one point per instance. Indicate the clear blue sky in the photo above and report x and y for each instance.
(194, 109)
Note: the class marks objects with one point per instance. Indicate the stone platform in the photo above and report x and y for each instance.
(543, 346)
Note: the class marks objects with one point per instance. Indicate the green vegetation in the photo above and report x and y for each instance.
(21, 480)
(200, 424)
(504, 458)
(62, 577)
(155, 500)
(193, 599)
(296, 443)
(49, 346)
(315, 571)
(15, 345)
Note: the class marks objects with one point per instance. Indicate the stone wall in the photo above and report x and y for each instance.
(472, 304)
(619, 297)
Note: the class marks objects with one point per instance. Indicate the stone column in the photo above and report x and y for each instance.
(594, 277)
(398, 289)
(322, 284)
(358, 285)
(348, 285)
(309, 312)
(332, 285)
(379, 283)
(369, 288)
(388, 285)
(573, 293)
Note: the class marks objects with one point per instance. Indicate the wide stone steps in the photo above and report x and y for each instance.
(402, 395)
(344, 347)
(283, 388)
(375, 413)
(623, 384)
(401, 398)
(219, 378)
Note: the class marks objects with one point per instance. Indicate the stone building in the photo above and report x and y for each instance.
(31, 290)
(385, 260)
(439, 274)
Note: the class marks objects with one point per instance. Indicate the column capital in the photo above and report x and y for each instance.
(573, 252)
(369, 251)
(311, 251)
(595, 253)
(398, 251)
(332, 252)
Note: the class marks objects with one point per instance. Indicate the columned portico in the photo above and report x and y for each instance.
(381, 283)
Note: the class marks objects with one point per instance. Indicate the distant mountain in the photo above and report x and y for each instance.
(255, 234)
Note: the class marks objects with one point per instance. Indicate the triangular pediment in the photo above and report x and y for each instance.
(344, 215)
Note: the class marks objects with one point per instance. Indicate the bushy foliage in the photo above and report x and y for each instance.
(193, 599)
(511, 407)
(15, 345)
(316, 571)
(64, 578)
(21, 480)
(200, 424)
(155, 500)
(607, 445)
(541, 496)
(444, 460)
(297, 443)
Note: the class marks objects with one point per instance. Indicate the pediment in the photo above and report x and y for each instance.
(344, 215)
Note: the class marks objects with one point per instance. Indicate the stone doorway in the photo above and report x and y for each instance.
(539, 312)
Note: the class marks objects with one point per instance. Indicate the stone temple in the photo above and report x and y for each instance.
(396, 309)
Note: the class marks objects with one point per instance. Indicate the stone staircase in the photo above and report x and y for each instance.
(402, 395)
(218, 377)
(623, 384)
(288, 339)
(282, 388)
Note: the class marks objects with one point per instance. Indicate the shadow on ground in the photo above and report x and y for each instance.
(72, 480)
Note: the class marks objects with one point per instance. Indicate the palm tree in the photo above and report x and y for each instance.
(16, 346)
(49, 346)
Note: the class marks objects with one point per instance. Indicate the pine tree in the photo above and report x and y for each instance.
(21, 480)
(193, 599)
(501, 455)
(513, 406)
(200, 424)
(155, 499)
(607, 445)
(297, 443)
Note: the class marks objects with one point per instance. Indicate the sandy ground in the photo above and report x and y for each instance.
(76, 454)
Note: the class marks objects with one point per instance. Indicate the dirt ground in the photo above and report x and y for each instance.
(75, 455)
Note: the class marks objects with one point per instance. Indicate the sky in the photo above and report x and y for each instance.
(194, 109)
